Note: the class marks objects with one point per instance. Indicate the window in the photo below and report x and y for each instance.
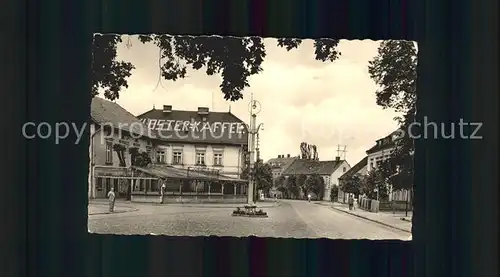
(109, 152)
(344, 169)
(177, 157)
(200, 158)
(154, 186)
(160, 157)
(218, 159)
(98, 184)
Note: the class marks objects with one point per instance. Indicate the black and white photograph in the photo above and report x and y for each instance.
(250, 136)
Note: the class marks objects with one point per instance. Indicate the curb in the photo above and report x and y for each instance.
(372, 220)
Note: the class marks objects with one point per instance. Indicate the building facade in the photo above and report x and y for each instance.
(381, 151)
(329, 170)
(360, 168)
(137, 159)
(115, 137)
(278, 166)
(201, 142)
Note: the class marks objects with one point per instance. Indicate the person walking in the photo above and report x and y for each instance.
(309, 197)
(351, 202)
(111, 199)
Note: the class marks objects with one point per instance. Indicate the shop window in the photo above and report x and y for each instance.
(154, 186)
(98, 185)
(136, 185)
(142, 185)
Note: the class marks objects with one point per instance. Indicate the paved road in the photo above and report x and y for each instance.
(297, 219)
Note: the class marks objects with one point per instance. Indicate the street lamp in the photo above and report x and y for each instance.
(254, 108)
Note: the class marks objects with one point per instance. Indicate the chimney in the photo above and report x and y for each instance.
(337, 159)
(202, 110)
(288, 155)
(279, 156)
(167, 108)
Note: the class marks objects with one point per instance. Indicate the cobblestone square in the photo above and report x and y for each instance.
(288, 219)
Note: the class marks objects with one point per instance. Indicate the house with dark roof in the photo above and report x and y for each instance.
(278, 166)
(359, 168)
(329, 170)
(119, 140)
(113, 131)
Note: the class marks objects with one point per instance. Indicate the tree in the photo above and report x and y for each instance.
(374, 186)
(308, 151)
(334, 193)
(352, 184)
(235, 59)
(139, 158)
(315, 184)
(280, 184)
(263, 176)
(291, 185)
(301, 184)
(394, 70)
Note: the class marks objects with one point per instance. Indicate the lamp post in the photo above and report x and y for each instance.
(254, 108)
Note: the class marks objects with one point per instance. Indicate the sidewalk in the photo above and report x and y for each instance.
(131, 206)
(389, 219)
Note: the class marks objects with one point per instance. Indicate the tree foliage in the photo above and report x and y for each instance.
(235, 59)
(315, 184)
(374, 186)
(108, 73)
(279, 183)
(301, 184)
(334, 193)
(263, 176)
(352, 184)
(291, 186)
(394, 70)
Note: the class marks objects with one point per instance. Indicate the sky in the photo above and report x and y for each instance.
(303, 100)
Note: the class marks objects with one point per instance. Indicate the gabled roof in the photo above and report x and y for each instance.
(111, 114)
(192, 135)
(282, 163)
(309, 167)
(385, 142)
(355, 169)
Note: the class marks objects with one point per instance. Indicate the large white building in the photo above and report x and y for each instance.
(198, 155)
(382, 151)
(201, 141)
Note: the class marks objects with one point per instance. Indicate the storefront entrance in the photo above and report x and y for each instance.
(120, 185)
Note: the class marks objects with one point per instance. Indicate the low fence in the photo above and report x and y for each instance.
(375, 205)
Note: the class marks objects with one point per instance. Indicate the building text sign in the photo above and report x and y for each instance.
(197, 129)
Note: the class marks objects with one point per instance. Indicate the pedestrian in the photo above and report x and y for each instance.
(309, 197)
(163, 187)
(351, 202)
(111, 199)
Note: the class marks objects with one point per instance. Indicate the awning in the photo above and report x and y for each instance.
(179, 173)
